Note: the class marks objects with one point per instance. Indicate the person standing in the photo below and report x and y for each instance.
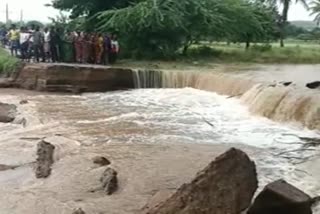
(38, 41)
(46, 45)
(99, 43)
(24, 43)
(14, 40)
(78, 44)
(3, 35)
(115, 48)
(54, 44)
(107, 48)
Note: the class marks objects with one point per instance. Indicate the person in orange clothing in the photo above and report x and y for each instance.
(99, 45)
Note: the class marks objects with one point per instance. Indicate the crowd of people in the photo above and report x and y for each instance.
(51, 45)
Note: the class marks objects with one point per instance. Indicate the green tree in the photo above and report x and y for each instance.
(34, 23)
(315, 10)
(284, 15)
(164, 27)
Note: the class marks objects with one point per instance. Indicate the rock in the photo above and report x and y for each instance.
(8, 112)
(280, 197)
(158, 198)
(286, 83)
(22, 102)
(102, 161)
(78, 211)
(44, 161)
(7, 167)
(225, 186)
(313, 85)
(109, 181)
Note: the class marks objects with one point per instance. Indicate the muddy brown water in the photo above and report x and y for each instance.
(156, 138)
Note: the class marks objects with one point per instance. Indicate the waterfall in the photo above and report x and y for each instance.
(147, 79)
(277, 102)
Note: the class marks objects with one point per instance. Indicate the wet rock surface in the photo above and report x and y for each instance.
(101, 161)
(44, 161)
(78, 211)
(225, 186)
(280, 197)
(8, 112)
(6, 167)
(313, 85)
(109, 181)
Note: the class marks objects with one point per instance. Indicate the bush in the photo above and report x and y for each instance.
(261, 48)
(204, 51)
(8, 63)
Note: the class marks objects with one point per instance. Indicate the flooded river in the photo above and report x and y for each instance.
(156, 139)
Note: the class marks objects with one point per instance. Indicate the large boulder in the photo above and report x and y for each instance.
(225, 186)
(8, 112)
(280, 197)
(44, 161)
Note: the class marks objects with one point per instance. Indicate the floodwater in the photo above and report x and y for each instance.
(298, 74)
(156, 138)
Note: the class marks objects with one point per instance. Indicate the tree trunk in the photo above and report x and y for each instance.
(284, 18)
(247, 44)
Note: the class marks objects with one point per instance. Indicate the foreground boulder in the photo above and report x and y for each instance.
(44, 161)
(313, 85)
(280, 197)
(225, 186)
(8, 112)
(109, 181)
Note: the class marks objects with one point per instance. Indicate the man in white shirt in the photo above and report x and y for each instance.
(46, 46)
(24, 43)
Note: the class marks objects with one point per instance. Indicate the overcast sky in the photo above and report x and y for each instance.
(35, 10)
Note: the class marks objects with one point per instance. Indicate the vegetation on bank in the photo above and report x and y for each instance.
(8, 63)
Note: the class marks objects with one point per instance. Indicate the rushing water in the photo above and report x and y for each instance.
(149, 116)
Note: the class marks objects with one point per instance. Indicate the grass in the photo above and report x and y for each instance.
(8, 63)
(293, 53)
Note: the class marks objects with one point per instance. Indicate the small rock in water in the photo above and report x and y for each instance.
(44, 161)
(22, 102)
(6, 167)
(102, 161)
(78, 211)
(286, 83)
(8, 112)
(313, 85)
(280, 197)
(109, 181)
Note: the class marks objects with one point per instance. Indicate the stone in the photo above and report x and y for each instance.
(8, 112)
(78, 211)
(22, 102)
(225, 186)
(313, 85)
(102, 161)
(158, 198)
(286, 83)
(109, 181)
(280, 197)
(6, 167)
(45, 152)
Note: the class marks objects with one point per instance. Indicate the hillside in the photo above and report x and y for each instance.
(309, 25)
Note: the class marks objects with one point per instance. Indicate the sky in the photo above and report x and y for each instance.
(36, 10)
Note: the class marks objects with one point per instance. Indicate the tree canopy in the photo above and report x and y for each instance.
(165, 27)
